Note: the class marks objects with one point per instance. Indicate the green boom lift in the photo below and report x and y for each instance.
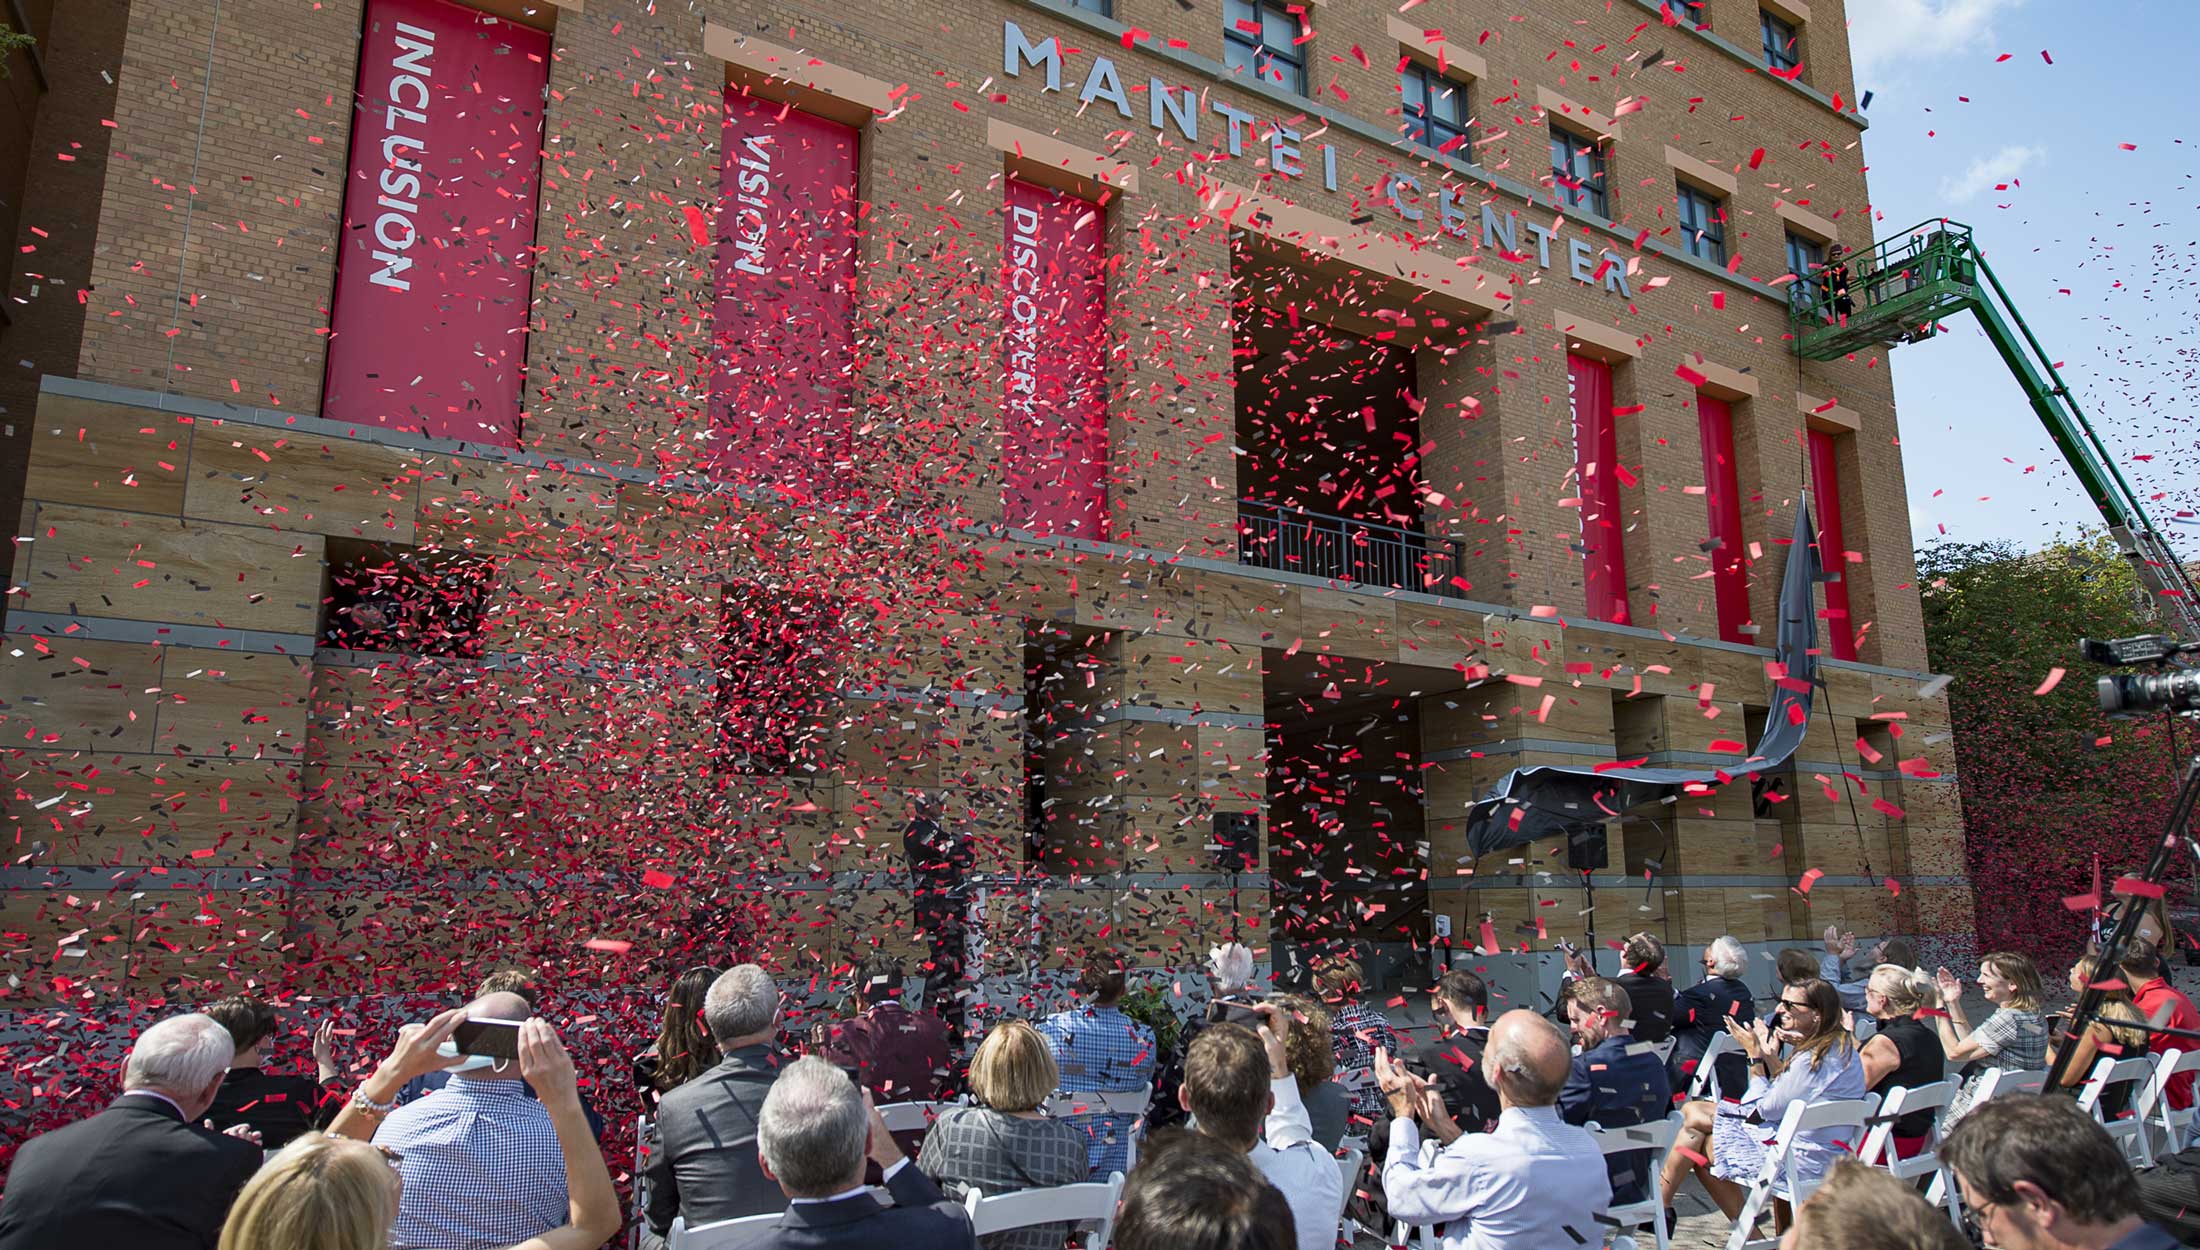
(1900, 292)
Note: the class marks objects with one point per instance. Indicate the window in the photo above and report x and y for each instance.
(777, 649)
(1577, 172)
(1783, 51)
(1703, 219)
(1105, 8)
(1690, 13)
(1260, 37)
(405, 601)
(1807, 261)
(1435, 109)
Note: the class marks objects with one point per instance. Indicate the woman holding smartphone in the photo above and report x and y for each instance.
(1804, 1053)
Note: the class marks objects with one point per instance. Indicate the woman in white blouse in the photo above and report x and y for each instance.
(1821, 1063)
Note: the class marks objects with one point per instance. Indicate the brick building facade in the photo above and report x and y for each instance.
(214, 782)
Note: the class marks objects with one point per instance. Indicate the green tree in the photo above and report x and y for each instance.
(2047, 780)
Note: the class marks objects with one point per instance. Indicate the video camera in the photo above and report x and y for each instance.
(2144, 692)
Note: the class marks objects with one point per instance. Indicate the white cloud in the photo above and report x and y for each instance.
(1884, 33)
(1987, 172)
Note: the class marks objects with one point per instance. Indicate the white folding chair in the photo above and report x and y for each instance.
(2001, 1082)
(1131, 1102)
(642, 1125)
(911, 1117)
(1657, 1137)
(1702, 1084)
(2129, 1129)
(723, 1235)
(1092, 1202)
(2151, 1106)
(1349, 1164)
(1878, 1150)
(1778, 1176)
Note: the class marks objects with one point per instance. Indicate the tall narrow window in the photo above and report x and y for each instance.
(1055, 356)
(1783, 50)
(1435, 109)
(1105, 8)
(1807, 261)
(1262, 38)
(1596, 463)
(1577, 172)
(1703, 223)
(775, 662)
(782, 401)
(428, 323)
(1723, 497)
(1825, 503)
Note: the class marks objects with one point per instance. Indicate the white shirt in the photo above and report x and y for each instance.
(1293, 1162)
(1532, 1183)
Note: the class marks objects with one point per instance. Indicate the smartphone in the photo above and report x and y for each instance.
(497, 1039)
(1240, 1013)
(1567, 947)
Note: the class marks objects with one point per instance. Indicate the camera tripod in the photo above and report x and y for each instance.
(2176, 831)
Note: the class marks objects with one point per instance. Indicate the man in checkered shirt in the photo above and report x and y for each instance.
(1099, 1048)
(1354, 1031)
(479, 1158)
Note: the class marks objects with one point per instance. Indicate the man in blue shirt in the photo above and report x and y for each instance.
(1616, 1081)
(1099, 1049)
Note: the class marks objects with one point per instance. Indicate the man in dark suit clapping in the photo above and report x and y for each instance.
(142, 1173)
(817, 1132)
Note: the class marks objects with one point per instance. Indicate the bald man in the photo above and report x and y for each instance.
(1531, 1183)
(480, 1159)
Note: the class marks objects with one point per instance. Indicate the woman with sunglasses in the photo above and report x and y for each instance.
(1804, 1053)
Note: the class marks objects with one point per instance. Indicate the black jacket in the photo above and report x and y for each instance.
(921, 1219)
(702, 1153)
(281, 1108)
(1454, 1063)
(1700, 1013)
(1650, 1006)
(134, 1176)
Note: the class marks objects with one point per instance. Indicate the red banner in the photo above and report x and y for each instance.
(1055, 448)
(1596, 462)
(1723, 496)
(782, 401)
(429, 320)
(1825, 506)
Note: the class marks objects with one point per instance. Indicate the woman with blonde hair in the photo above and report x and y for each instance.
(1863, 1208)
(2119, 1033)
(317, 1193)
(1006, 1143)
(1906, 1052)
(2013, 1039)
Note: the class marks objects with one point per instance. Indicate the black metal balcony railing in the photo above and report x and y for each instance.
(1293, 540)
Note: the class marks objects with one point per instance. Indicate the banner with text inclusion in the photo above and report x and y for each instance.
(429, 320)
(782, 400)
(1055, 356)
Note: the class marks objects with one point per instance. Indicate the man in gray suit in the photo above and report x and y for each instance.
(702, 1154)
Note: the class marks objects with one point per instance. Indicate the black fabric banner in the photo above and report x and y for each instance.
(1560, 801)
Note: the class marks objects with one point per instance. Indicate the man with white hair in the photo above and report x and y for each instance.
(1532, 1183)
(702, 1160)
(816, 1133)
(1701, 1011)
(142, 1173)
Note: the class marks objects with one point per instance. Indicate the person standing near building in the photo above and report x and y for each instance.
(940, 863)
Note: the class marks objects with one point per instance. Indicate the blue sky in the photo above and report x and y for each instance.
(2096, 245)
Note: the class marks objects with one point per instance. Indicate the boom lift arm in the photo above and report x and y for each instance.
(1900, 291)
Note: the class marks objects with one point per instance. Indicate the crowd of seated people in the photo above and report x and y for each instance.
(1482, 1133)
